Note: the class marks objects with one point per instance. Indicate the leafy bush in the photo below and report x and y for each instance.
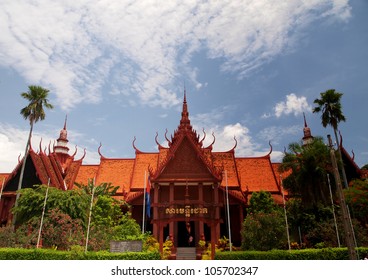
(48, 254)
(167, 247)
(264, 231)
(305, 254)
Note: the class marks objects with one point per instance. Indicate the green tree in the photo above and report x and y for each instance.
(332, 115)
(365, 167)
(106, 212)
(357, 197)
(72, 202)
(264, 227)
(330, 106)
(264, 231)
(262, 202)
(34, 111)
(309, 165)
(102, 189)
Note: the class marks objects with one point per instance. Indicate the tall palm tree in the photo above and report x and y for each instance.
(332, 115)
(34, 111)
(330, 106)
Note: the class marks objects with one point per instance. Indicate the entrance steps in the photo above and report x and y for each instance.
(186, 253)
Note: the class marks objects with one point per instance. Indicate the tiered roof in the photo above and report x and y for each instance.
(57, 166)
(185, 159)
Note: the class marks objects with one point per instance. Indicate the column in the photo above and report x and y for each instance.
(217, 210)
(172, 224)
(201, 204)
(155, 217)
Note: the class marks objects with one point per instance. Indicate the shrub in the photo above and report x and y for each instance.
(264, 231)
(167, 247)
(48, 254)
(305, 254)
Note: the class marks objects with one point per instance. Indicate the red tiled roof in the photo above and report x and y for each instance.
(118, 172)
(3, 177)
(226, 161)
(257, 174)
(142, 163)
(85, 173)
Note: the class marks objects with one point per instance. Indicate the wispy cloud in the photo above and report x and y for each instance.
(138, 49)
(275, 134)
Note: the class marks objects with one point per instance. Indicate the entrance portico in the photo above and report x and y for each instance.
(182, 211)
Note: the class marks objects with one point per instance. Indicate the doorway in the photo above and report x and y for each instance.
(186, 234)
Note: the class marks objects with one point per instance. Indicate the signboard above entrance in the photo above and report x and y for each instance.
(187, 211)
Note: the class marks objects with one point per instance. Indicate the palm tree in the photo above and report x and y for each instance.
(34, 111)
(332, 115)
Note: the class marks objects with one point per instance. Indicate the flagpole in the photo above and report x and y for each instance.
(228, 211)
(286, 220)
(43, 213)
(90, 215)
(2, 188)
(144, 203)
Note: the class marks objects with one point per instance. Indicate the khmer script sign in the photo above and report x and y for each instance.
(186, 210)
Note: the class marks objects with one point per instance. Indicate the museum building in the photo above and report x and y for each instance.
(195, 193)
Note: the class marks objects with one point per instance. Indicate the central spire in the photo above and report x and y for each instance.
(185, 122)
(307, 138)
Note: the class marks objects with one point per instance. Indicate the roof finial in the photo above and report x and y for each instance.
(66, 118)
(185, 122)
(307, 138)
(185, 93)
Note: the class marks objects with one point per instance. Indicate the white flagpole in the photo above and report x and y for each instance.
(333, 210)
(144, 203)
(90, 215)
(43, 213)
(228, 212)
(286, 220)
(2, 188)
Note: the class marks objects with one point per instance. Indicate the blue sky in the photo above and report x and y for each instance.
(118, 70)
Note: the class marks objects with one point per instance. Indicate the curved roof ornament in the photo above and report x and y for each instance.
(158, 144)
(271, 148)
(53, 147)
(84, 154)
(99, 151)
(76, 149)
(19, 157)
(50, 147)
(167, 139)
(352, 151)
(213, 142)
(137, 151)
(236, 143)
(41, 152)
(340, 138)
(204, 137)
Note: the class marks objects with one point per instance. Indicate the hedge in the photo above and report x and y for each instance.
(306, 254)
(49, 254)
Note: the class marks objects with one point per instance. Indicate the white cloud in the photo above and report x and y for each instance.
(140, 47)
(293, 105)
(225, 133)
